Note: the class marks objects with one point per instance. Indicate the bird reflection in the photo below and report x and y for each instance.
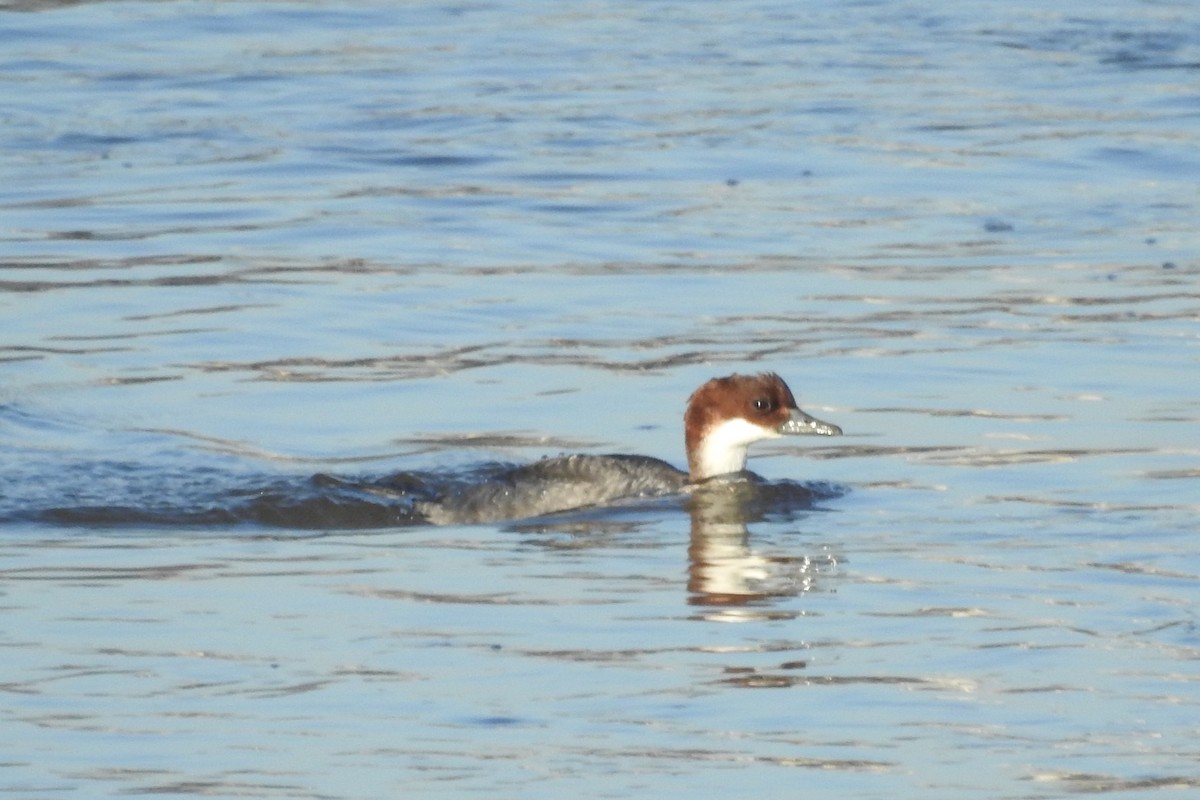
(725, 573)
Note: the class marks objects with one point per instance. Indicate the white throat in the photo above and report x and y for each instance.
(723, 447)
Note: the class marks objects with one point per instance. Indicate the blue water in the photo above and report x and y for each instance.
(242, 244)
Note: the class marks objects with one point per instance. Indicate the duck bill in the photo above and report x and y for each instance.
(801, 424)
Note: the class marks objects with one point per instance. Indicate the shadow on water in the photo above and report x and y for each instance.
(317, 502)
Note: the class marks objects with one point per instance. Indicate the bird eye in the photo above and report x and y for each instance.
(764, 405)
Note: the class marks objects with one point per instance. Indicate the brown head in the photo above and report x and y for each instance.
(726, 415)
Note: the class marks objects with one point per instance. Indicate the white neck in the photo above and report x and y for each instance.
(723, 447)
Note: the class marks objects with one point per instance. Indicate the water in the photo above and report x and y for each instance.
(243, 244)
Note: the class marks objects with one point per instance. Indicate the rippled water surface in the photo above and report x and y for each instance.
(247, 245)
